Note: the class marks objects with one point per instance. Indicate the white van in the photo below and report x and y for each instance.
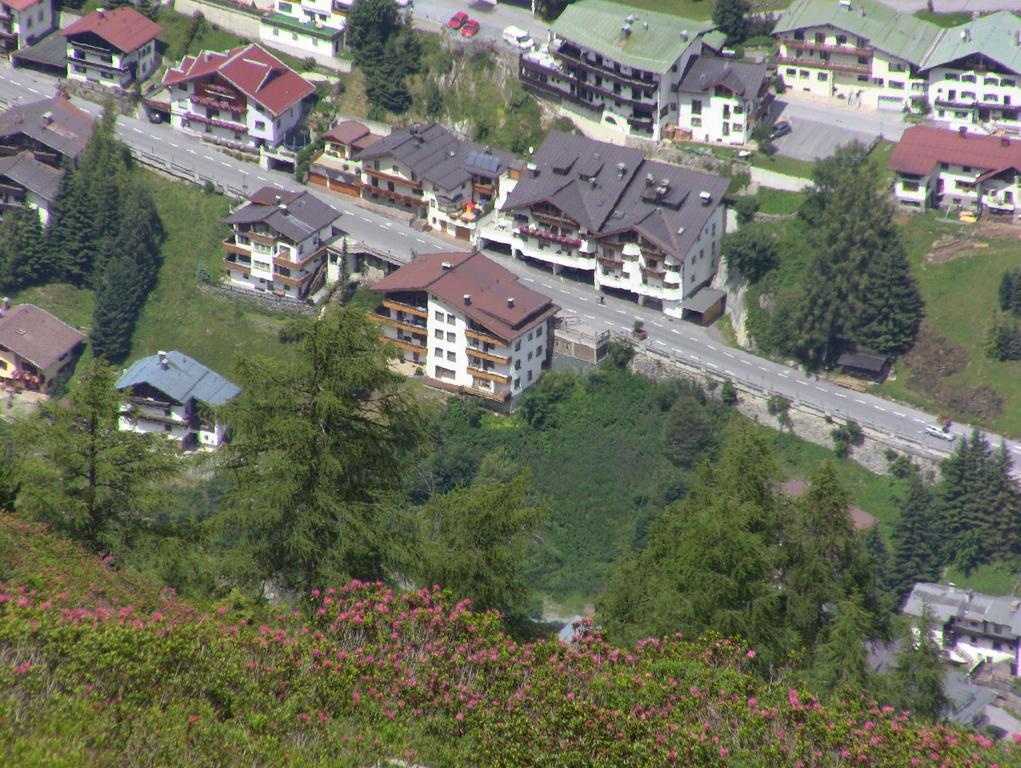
(518, 38)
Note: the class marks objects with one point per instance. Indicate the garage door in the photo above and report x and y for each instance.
(891, 102)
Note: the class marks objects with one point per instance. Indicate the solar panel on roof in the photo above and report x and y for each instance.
(484, 161)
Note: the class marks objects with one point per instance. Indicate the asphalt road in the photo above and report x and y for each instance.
(674, 338)
(818, 129)
(492, 20)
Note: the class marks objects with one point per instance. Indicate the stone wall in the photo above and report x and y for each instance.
(241, 23)
(262, 301)
(126, 103)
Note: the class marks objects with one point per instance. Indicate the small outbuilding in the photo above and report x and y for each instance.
(865, 365)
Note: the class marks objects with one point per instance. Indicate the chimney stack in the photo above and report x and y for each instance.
(962, 131)
(4, 306)
(510, 302)
(445, 264)
(163, 359)
(1005, 141)
(467, 299)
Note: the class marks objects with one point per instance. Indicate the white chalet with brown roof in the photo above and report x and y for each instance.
(23, 22)
(37, 350)
(469, 324)
(245, 98)
(114, 48)
(280, 242)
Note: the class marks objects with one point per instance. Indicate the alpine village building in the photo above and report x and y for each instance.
(637, 226)
(174, 395)
(428, 171)
(115, 49)
(335, 167)
(243, 99)
(37, 350)
(37, 139)
(305, 27)
(280, 243)
(468, 323)
(864, 52)
(23, 22)
(941, 168)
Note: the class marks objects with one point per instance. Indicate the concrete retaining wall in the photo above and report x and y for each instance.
(263, 301)
(236, 21)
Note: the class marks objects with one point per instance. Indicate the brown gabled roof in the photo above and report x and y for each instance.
(55, 123)
(496, 299)
(37, 336)
(346, 132)
(124, 28)
(921, 148)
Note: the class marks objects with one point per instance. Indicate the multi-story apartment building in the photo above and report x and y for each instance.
(244, 99)
(336, 167)
(864, 52)
(23, 22)
(941, 168)
(116, 49)
(441, 178)
(974, 74)
(615, 66)
(721, 100)
(280, 242)
(469, 324)
(174, 395)
(306, 26)
(970, 627)
(861, 51)
(36, 140)
(634, 225)
(37, 350)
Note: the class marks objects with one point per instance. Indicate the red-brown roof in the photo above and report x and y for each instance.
(922, 147)
(346, 132)
(496, 299)
(124, 28)
(36, 335)
(20, 5)
(256, 73)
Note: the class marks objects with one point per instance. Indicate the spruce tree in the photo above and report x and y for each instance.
(916, 681)
(70, 241)
(890, 306)
(729, 18)
(22, 250)
(119, 295)
(842, 659)
(915, 542)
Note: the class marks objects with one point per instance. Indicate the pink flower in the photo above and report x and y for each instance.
(750, 654)
(724, 751)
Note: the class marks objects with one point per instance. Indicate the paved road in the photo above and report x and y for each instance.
(818, 129)
(673, 338)
(492, 20)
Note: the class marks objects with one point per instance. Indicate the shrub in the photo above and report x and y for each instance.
(728, 393)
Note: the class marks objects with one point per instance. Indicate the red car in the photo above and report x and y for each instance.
(470, 28)
(458, 20)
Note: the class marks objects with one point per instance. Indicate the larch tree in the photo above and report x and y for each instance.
(320, 443)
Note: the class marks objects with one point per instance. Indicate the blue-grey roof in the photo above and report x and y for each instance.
(181, 378)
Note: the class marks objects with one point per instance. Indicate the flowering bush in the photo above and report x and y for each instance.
(376, 674)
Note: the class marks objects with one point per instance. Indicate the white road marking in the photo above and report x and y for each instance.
(918, 421)
(420, 240)
(860, 402)
(658, 325)
(226, 165)
(713, 365)
(173, 145)
(33, 90)
(784, 375)
(730, 372)
(621, 312)
(762, 368)
(564, 292)
(136, 130)
(676, 351)
(879, 408)
(821, 389)
(674, 330)
(192, 151)
(1015, 449)
(900, 415)
(712, 347)
(262, 178)
(728, 354)
(589, 317)
(528, 279)
(744, 362)
(365, 219)
(840, 394)
(403, 234)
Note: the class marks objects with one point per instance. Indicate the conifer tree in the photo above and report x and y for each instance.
(22, 249)
(890, 306)
(729, 18)
(842, 659)
(916, 545)
(916, 681)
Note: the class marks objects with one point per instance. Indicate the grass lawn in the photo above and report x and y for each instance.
(700, 9)
(875, 494)
(778, 202)
(780, 164)
(992, 579)
(178, 315)
(944, 19)
(960, 296)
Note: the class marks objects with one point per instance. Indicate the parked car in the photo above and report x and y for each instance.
(470, 28)
(782, 128)
(941, 432)
(518, 38)
(458, 20)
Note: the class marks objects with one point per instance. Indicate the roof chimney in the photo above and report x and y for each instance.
(445, 264)
(621, 169)
(533, 169)
(963, 131)
(4, 306)
(163, 359)
(1005, 141)
(467, 299)
(706, 197)
(510, 302)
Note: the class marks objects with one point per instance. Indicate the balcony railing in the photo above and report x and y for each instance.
(574, 242)
(806, 45)
(207, 101)
(491, 375)
(370, 191)
(403, 325)
(420, 348)
(400, 306)
(500, 359)
(416, 185)
(860, 69)
(233, 247)
(228, 124)
(484, 338)
(553, 218)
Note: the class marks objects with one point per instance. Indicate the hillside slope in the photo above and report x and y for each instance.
(99, 669)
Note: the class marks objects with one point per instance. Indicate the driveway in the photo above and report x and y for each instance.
(819, 128)
(492, 20)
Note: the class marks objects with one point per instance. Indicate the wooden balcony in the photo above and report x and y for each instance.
(807, 45)
(484, 338)
(501, 359)
(609, 261)
(554, 219)
(296, 282)
(860, 69)
(499, 378)
(383, 176)
(240, 250)
(400, 306)
(395, 323)
(395, 197)
(260, 238)
(235, 267)
(489, 395)
(406, 345)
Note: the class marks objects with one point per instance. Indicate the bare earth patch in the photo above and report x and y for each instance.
(796, 486)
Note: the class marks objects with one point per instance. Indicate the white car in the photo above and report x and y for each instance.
(939, 432)
(518, 38)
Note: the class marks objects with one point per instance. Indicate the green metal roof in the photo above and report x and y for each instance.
(715, 39)
(289, 22)
(996, 37)
(904, 36)
(654, 43)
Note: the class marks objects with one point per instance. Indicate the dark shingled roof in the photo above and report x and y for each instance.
(295, 215)
(24, 170)
(181, 378)
(745, 79)
(54, 122)
(37, 336)
(865, 361)
(439, 157)
(498, 301)
(607, 189)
